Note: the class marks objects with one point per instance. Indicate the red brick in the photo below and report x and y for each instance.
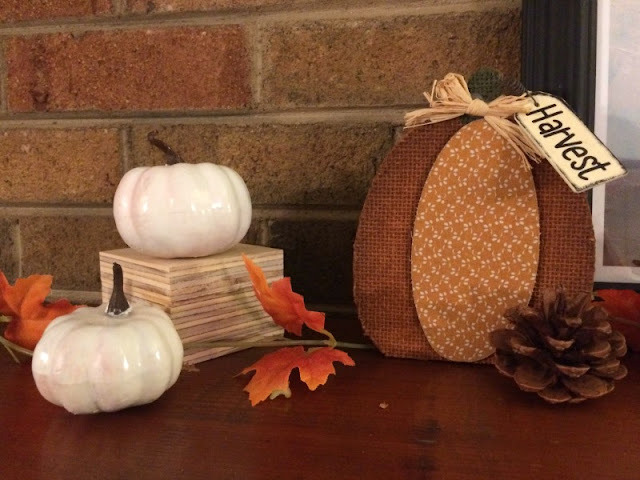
(23, 10)
(57, 165)
(306, 164)
(388, 61)
(314, 164)
(158, 69)
(67, 248)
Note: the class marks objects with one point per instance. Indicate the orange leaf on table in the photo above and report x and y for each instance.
(624, 307)
(273, 370)
(284, 305)
(24, 304)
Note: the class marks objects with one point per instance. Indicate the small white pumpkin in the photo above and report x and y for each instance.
(180, 209)
(94, 360)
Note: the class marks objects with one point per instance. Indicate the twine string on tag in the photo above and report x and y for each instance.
(450, 98)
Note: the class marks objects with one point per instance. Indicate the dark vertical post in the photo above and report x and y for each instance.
(559, 51)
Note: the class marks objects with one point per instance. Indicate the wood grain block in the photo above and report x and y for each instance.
(208, 298)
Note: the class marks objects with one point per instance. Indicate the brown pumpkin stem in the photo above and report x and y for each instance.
(171, 157)
(118, 303)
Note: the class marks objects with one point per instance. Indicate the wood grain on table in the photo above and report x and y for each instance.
(441, 421)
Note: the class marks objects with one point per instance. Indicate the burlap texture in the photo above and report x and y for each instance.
(567, 240)
(382, 249)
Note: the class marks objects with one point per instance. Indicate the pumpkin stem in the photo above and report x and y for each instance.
(171, 157)
(118, 303)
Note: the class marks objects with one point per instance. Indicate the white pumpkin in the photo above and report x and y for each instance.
(180, 209)
(95, 361)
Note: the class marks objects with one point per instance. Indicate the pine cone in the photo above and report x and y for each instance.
(565, 352)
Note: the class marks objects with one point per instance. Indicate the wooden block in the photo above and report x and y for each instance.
(192, 357)
(208, 298)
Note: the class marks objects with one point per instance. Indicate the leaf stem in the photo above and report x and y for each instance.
(331, 339)
(12, 348)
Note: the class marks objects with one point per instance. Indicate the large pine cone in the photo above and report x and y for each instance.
(565, 352)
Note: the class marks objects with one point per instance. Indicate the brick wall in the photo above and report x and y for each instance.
(303, 98)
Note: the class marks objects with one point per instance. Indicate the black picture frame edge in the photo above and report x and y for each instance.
(558, 51)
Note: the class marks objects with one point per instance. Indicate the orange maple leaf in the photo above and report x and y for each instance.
(624, 307)
(24, 304)
(273, 370)
(284, 305)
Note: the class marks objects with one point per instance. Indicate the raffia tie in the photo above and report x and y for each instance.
(450, 98)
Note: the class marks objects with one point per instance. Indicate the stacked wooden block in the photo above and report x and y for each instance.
(208, 298)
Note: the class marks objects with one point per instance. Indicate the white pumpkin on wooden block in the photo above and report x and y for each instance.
(181, 210)
(96, 360)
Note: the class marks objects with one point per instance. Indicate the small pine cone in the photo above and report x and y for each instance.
(565, 352)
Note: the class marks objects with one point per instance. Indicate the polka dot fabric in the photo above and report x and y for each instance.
(476, 241)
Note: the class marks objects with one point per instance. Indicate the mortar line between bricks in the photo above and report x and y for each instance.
(125, 151)
(78, 296)
(202, 19)
(256, 53)
(4, 77)
(45, 210)
(394, 115)
(302, 215)
(264, 235)
(119, 7)
(18, 247)
(260, 213)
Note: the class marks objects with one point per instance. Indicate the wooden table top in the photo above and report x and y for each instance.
(443, 421)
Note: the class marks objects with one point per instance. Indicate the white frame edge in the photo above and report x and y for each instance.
(604, 273)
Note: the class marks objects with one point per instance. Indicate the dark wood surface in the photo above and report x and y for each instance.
(443, 421)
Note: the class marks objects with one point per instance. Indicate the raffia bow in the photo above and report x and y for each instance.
(450, 98)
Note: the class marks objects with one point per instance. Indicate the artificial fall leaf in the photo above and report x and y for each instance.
(283, 305)
(273, 370)
(24, 303)
(624, 308)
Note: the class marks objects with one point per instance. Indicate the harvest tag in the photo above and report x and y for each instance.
(580, 158)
